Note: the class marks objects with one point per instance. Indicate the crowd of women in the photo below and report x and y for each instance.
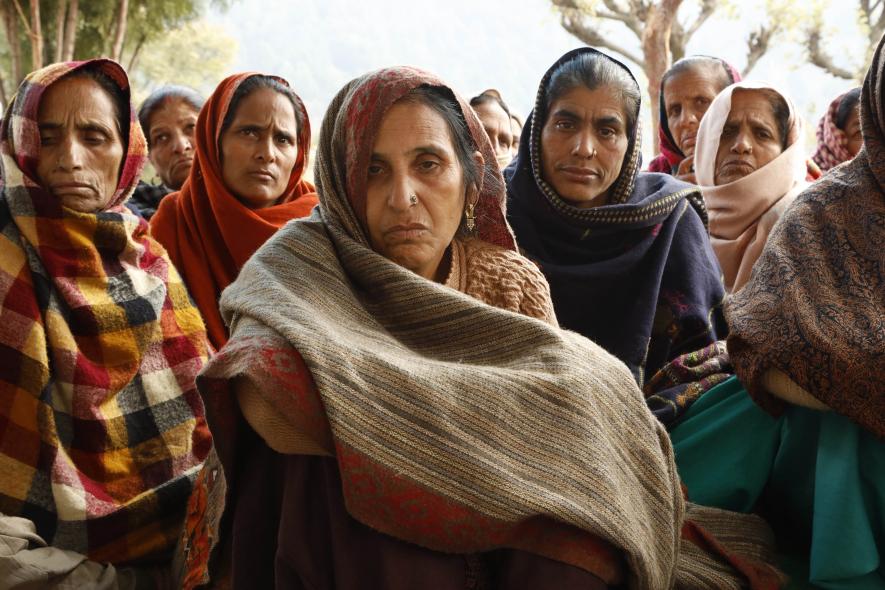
(477, 354)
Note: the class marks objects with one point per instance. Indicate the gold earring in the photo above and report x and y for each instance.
(469, 216)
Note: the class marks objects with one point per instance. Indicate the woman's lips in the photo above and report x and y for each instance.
(71, 188)
(578, 174)
(406, 231)
(737, 167)
(186, 163)
(263, 175)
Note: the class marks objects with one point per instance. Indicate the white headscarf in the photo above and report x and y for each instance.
(743, 212)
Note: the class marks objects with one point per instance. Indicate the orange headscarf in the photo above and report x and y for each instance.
(208, 232)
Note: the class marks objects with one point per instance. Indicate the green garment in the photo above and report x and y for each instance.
(817, 477)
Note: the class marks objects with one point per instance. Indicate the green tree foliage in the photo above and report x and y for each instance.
(88, 28)
(196, 55)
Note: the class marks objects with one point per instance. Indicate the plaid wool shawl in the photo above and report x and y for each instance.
(457, 426)
(101, 428)
(832, 143)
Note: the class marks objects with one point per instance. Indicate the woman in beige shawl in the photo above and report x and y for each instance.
(750, 162)
(396, 407)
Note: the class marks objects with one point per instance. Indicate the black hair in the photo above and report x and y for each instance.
(595, 70)
(118, 96)
(695, 62)
(250, 85)
(847, 105)
(486, 97)
(159, 98)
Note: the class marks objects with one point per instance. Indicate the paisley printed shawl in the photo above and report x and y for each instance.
(101, 427)
(814, 307)
(637, 275)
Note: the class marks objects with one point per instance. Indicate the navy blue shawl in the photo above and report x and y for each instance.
(638, 276)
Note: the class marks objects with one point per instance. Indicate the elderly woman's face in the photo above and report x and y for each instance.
(415, 195)
(750, 138)
(259, 149)
(516, 128)
(80, 145)
(853, 134)
(687, 96)
(497, 125)
(583, 144)
(171, 136)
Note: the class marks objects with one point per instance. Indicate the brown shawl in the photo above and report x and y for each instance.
(457, 426)
(815, 305)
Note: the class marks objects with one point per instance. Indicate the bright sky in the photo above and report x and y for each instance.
(477, 44)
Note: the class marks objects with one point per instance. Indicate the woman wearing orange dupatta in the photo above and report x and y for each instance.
(224, 213)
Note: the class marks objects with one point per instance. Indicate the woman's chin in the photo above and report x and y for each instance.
(414, 257)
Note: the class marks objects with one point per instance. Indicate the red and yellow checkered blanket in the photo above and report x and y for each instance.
(101, 428)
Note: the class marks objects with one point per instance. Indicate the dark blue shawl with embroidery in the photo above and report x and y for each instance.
(637, 276)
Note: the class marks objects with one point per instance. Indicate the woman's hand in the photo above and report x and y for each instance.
(685, 172)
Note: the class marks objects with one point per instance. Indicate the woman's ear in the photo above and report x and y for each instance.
(474, 190)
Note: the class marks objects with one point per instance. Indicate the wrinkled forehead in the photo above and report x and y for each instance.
(79, 100)
(755, 104)
(710, 71)
(21, 127)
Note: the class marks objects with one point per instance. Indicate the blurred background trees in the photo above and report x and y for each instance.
(652, 34)
(156, 40)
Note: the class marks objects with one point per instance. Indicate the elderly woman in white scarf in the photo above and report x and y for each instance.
(751, 164)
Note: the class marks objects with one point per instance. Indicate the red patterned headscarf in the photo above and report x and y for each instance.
(832, 143)
(101, 428)
(367, 105)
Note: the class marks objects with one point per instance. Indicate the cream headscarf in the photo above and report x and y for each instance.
(742, 213)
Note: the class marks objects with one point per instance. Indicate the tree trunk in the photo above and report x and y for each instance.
(656, 49)
(136, 53)
(59, 30)
(10, 22)
(36, 36)
(70, 31)
(120, 29)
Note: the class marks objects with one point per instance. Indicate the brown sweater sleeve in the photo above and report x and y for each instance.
(507, 280)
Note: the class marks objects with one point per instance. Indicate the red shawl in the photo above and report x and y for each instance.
(208, 232)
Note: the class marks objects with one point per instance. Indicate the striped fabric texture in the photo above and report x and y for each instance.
(459, 426)
(101, 428)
